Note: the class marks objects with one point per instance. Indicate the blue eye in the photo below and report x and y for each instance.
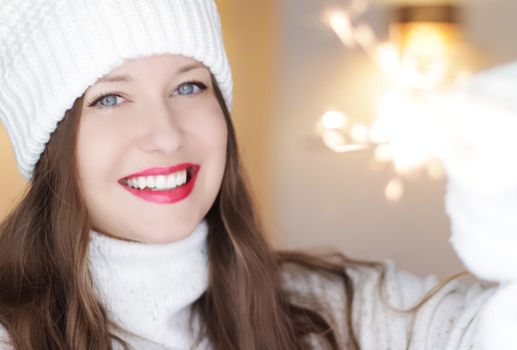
(190, 88)
(109, 100)
(113, 99)
(105, 100)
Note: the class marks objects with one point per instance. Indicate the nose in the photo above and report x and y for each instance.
(163, 132)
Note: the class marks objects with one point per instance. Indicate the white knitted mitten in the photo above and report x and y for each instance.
(481, 163)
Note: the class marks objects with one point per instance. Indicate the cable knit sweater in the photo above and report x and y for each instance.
(149, 289)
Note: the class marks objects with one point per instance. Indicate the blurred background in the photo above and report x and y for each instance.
(326, 110)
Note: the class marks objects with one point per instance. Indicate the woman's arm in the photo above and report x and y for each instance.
(447, 320)
(384, 313)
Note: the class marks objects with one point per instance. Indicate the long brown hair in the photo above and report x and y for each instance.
(47, 299)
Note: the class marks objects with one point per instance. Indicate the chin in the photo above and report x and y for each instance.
(167, 236)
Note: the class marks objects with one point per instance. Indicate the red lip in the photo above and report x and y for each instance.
(163, 170)
(165, 196)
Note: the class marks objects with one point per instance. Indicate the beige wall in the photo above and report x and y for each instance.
(11, 182)
(251, 36)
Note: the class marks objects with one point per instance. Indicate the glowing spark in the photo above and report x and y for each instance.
(351, 148)
(342, 26)
(435, 170)
(334, 139)
(387, 58)
(360, 133)
(383, 153)
(416, 67)
(334, 120)
(365, 36)
(394, 190)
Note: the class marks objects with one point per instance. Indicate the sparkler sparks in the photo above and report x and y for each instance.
(418, 67)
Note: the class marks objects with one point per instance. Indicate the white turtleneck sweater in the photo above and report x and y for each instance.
(149, 289)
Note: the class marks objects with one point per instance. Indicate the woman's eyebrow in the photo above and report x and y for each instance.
(126, 78)
(115, 78)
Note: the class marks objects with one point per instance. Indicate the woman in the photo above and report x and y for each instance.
(137, 230)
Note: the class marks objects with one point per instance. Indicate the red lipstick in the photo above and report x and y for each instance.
(165, 196)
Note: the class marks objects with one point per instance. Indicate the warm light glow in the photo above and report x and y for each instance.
(351, 148)
(388, 58)
(404, 123)
(360, 133)
(427, 50)
(414, 76)
(337, 141)
(426, 40)
(334, 120)
(435, 170)
(365, 36)
(334, 139)
(418, 62)
(340, 23)
(336, 133)
(394, 190)
(463, 77)
(383, 153)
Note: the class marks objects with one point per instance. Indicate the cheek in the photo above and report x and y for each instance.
(219, 146)
(216, 130)
(219, 136)
(215, 135)
(98, 146)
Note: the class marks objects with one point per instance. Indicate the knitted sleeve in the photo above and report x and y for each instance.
(447, 321)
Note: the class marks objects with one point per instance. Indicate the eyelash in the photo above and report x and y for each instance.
(96, 99)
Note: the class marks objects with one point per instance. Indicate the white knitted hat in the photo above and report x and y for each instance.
(51, 51)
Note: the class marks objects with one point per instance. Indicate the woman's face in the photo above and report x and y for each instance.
(151, 149)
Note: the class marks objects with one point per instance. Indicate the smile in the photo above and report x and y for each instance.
(163, 185)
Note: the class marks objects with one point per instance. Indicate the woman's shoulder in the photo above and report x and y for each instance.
(433, 314)
(371, 281)
(394, 309)
(368, 280)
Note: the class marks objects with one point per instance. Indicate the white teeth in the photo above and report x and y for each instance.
(160, 182)
(171, 181)
(150, 181)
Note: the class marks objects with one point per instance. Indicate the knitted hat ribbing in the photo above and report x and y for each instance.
(51, 51)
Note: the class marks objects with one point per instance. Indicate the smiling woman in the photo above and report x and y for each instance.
(159, 125)
(138, 230)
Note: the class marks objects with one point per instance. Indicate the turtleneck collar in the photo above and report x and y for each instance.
(148, 289)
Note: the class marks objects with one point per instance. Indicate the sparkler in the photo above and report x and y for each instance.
(417, 66)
